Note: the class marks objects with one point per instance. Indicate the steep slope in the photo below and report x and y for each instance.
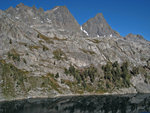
(38, 59)
(97, 26)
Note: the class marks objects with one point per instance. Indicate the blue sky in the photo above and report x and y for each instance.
(124, 16)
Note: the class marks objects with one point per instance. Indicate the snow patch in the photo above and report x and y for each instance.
(110, 35)
(48, 20)
(17, 17)
(34, 18)
(55, 9)
(97, 35)
(41, 21)
(84, 31)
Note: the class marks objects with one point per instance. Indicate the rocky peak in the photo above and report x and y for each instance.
(62, 18)
(98, 26)
(134, 37)
(100, 17)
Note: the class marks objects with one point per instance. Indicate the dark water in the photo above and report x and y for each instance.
(81, 104)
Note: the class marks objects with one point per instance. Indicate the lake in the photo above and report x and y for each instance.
(133, 103)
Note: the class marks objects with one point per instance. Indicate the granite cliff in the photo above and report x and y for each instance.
(47, 53)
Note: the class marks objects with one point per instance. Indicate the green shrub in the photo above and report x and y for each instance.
(57, 75)
(10, 41)
(91, 71)
(125, 73)
(45, 48)
(12, 54)
(66, 71)
(115, 64)
(72, 70)
(59, 54)
(135, 70)
(31, 47)
(24, 60)
(108, 71)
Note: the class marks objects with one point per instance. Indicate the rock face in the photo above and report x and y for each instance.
(37, 48)
(97, 26)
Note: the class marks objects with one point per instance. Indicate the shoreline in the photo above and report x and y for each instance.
(66, 95)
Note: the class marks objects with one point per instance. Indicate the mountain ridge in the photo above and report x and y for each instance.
(103, 29)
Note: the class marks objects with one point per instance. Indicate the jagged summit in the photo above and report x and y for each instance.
(98, 26)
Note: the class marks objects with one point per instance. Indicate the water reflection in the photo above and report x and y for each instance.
(81, 104)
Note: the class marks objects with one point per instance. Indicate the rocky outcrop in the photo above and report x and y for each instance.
(134, 37)
(140, 85)
(37, 48)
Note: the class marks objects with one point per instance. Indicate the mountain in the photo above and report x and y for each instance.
(47, 53)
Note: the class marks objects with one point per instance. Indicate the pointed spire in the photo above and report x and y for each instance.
(98, 26)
